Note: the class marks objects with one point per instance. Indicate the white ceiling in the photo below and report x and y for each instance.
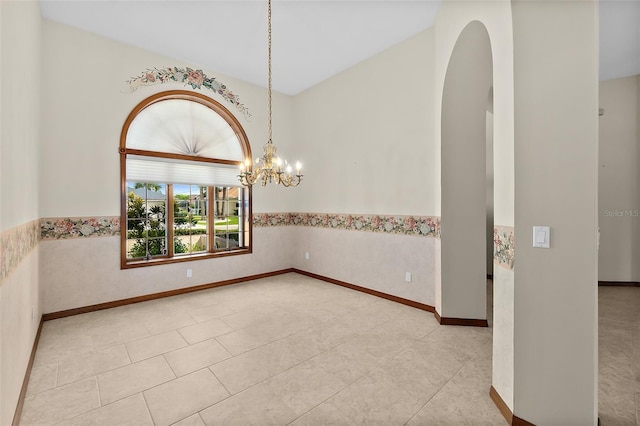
(312, 39)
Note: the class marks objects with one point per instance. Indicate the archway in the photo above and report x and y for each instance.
(467, 88)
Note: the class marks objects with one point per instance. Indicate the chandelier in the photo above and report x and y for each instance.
(270, 168)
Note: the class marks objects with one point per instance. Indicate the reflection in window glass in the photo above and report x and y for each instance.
(190, 224)
(146, 220)
(229, 216)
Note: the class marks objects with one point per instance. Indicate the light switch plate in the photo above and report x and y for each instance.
(541, 236)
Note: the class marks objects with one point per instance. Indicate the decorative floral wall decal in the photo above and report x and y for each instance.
(190, 77)
(15, 244)
(62, 228)
(504, 246)
(406, 225)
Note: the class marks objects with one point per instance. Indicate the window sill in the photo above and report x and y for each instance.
(128, 264)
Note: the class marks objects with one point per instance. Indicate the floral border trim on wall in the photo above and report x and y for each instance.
(16, 244)
(504, 246)
(108, 226)
(190, 77)
(79, 227)
(405, 225)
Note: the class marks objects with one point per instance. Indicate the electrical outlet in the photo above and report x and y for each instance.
(306, 255)
(189, 273)
(407, 277)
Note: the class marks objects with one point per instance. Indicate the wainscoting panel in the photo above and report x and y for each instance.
(379, 261)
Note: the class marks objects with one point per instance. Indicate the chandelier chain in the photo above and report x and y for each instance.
(270, 71)
(270, 168)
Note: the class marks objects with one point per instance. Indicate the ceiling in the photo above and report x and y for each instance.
(312, 39)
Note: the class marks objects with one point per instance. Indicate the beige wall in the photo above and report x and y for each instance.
(20, 113)
(80, 175)
(367, 134)
(489, 190)
(20, 128)
(619, 184)
(19, 320)
(453, 17)
(371, 136)
(367, 139)
(556, 149)
(72, 279)
(86, 101)
(496, 17)
(465, 97)
(369, 259)
(541, 347)
(346, 115)
(637, 230)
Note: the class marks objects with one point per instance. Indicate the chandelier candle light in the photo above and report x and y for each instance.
(270, 168)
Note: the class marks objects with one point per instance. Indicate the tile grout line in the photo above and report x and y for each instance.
(323, 349)
(169, 364)
(98, 392)
(146, 404)
(143, 390)
(223, 385)
(378, 365)
(434, 395)
(231, 395)
(55, 385)
(336, 393)
(200, 417)
(225, 348)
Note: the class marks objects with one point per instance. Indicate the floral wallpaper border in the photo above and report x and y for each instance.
(405, 225)
(82, 227)
(190, 77)
(16, 244)
(504, 246)
(79, 227)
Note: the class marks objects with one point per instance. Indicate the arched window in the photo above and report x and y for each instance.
(181, 198)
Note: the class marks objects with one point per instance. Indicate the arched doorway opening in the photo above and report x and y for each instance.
(465, 99)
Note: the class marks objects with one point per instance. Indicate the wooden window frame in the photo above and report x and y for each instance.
(126, 263)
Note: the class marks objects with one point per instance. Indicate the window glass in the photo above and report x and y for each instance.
(228, 211)
(146, 220)
(180, 153)
(190, 221)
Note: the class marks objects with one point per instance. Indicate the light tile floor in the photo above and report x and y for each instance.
(292, 350)
(619, 356)
(282, 350)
